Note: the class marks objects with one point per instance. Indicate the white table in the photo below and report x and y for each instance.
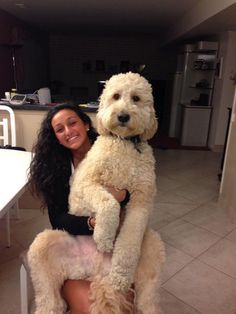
(14, 167)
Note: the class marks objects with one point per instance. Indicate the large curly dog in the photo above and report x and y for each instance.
(113, 260)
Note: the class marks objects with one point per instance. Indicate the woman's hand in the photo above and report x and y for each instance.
(119, 195)
(92, 222)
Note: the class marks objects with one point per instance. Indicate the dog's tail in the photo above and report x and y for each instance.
(106, 300)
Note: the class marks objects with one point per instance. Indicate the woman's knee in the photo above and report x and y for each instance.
(76, 294)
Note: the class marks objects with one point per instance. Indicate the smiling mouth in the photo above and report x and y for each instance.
(72, 138)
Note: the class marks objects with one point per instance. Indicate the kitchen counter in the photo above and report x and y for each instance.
(29, 118)
(35, 107)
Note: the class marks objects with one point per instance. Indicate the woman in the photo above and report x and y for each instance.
(65, 137)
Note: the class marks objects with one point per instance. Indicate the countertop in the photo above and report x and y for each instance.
(36, 107)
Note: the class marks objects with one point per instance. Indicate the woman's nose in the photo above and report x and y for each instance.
(67, 130)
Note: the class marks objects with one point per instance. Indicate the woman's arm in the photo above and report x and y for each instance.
(77, 225)
(61, 219)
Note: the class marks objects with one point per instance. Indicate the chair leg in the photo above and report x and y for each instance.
(8, 228)
(23, 290)
(15, 207)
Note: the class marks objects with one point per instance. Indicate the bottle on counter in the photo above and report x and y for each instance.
(8, 96)
(13, 92)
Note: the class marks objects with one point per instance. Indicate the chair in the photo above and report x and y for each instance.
(26, 288)
(5, 127)
(8, 125)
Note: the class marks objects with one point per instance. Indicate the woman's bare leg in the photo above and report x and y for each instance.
(76, 294)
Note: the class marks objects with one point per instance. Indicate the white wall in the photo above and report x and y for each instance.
(227, 195)
(223, 91)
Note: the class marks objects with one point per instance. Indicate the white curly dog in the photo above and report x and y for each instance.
(120, 157)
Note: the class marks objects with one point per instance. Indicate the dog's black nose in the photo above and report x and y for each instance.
(123, 117)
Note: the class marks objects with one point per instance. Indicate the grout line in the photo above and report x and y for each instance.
(181, 300)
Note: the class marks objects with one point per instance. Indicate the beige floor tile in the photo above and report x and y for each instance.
(160, 218)
(232, 236)
(222, 256)
(187, 174)
(10, 287)
(178, 210)
(197, 192)
(27, 215)
(204, 288)
(25, 233)
(27, 201)
(173, 198)
(7, 254)
(188, 238)
(211, 217)
(172, 305)
(175, 261)
(165, 183)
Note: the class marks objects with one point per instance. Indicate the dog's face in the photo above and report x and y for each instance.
(126, 107)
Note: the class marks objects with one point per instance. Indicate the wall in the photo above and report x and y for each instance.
(34, 63)
(223, 91)
(227, 195)
(70, 54)
(7, 24)
(201, 12)
(31, 54)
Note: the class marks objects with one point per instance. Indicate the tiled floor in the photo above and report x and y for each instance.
(200, 271)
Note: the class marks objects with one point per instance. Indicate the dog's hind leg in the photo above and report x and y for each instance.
(47, 271)
(147, 277)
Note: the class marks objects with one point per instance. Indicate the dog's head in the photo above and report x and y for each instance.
(126, 107)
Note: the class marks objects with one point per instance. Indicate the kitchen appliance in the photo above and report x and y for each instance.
(193, 84)
(44, 95)
(17, 99)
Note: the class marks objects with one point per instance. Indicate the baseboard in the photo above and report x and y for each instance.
(217, 148)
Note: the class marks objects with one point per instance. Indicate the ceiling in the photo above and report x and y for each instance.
(135, 17)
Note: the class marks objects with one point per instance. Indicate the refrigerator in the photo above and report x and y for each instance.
(193, 85)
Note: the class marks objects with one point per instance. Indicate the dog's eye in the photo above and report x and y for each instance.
(116, 96)
(135, 98)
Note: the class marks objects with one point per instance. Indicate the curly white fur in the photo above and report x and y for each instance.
(125, 111)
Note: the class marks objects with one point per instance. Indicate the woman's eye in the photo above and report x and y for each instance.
(59, 130)
(116, 96)
(72, 122)
(135, 98)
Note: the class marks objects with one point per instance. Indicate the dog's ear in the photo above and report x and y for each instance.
(99, 126)
(151, 130)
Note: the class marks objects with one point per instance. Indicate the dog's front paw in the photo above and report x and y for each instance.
(105, 247)
(120, 281)
(104, 244)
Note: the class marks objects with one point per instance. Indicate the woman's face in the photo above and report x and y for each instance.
(70, 130)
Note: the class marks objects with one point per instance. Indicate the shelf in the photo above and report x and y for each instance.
(202, 70)
(198, 87)
(195, 106)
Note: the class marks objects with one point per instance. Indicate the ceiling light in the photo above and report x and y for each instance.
(20, 5)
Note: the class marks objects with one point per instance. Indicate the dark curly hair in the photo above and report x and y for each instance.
(51, 159)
